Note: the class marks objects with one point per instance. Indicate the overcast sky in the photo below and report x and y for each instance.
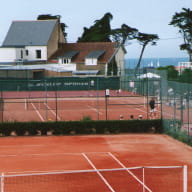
(148, 16)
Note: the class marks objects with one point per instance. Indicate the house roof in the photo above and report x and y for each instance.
(95, 54)
(70, 54)
(29, 33)
(104, 51)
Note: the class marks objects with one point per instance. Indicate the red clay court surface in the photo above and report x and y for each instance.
(26, 155)
(66, 108)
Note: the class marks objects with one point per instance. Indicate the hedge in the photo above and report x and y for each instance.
(80, 127)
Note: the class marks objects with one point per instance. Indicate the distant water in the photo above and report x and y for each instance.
(154, 62)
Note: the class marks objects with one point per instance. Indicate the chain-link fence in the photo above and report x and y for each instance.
(175, 99)
(177, 109)
(50, 97)
(76, 98)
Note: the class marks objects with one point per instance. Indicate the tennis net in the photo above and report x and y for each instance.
(140, 179)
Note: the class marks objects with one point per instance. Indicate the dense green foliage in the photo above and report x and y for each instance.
(145, 39)
(99, 32)
(172, 73)
(123, 34)
(186, 76)
(80, 127)
(88, 126)
(183, 21)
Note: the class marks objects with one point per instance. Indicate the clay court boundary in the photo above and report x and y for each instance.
(88, 163)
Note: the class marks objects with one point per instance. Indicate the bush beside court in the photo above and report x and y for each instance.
(87, 126)
(80, 127)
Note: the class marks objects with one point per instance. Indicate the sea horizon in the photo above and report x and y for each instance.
(131, 63)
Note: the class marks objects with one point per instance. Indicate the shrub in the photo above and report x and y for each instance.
(80, 127)
(86, 118)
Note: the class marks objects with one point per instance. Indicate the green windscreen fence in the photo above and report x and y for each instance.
(66, 83)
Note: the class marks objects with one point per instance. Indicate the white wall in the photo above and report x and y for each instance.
(32, 52)
(13, 54)
(119, 57)
(7, 54)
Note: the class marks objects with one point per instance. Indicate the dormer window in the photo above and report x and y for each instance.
(67, 57)
(93, 56)
(66, 61)
(90, 61)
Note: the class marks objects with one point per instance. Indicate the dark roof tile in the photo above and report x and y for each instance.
(95, 54)
(29, 33)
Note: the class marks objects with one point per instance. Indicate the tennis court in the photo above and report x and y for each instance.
(95, 163)
(73, 105)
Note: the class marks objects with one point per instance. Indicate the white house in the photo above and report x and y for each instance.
(183, 65)
(35, 49)
(31, 41)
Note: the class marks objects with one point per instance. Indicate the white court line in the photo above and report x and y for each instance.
(48, 154)
(9, 146)
(53, 112)
(93, 166)
(134, 176)
(52, 171)
(38, 154)
(37, 112)
(11, 155)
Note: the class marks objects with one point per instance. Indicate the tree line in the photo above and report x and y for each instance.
(184, 76)
(101, 31)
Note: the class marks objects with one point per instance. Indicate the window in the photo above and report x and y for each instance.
(21, 54)
(66, 61)
(26, 52)
(38, 54)
(90, 61)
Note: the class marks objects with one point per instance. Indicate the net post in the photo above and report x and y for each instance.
(185, 178)
(143, 170)
(2, 182)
